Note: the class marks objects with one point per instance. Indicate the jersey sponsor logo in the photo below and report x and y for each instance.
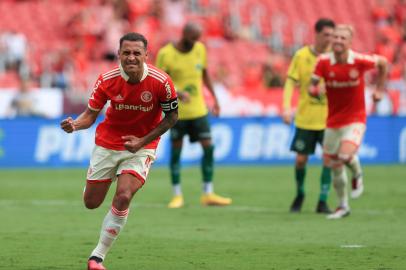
(345, 84)
(95, 88)
(353, 73)
(146, 96)
(121, 106)
(168, 90)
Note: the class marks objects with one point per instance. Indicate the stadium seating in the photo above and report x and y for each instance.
(53, 25)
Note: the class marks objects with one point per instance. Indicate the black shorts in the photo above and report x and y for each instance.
(197, 129)
(305, 141)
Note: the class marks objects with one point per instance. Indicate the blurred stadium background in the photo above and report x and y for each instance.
(51, 52)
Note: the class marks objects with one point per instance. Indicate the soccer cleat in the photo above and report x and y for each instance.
(357, 187)
(322, 208)
(296, 206)
(340, 212)
(176, 202)
(94, 265)
(212, 199)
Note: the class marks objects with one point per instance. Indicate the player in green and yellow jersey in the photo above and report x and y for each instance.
(186, 62)
(311, 114)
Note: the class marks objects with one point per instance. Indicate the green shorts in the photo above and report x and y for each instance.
(197, 129)
(305, 140)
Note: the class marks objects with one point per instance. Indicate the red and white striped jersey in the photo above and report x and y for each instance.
(344, 86)
(135, 109)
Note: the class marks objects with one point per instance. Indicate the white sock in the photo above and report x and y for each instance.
(208, 187)
(177, 190)
(355, 166)
(340, 185)
(112, 225)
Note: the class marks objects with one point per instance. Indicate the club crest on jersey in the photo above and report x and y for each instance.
(146, 96)
(353, 73)
(331, 74)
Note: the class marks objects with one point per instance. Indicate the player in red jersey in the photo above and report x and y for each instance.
(127, 138)
(343, 71)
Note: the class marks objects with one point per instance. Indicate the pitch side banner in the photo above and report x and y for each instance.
(34, 142)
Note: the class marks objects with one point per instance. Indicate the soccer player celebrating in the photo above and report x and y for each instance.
(311, 115)
(186, 62)
(127, 138)
(343, 71)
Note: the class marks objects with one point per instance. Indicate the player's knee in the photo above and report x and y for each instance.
(301, 161)
(345, 158)
(337, 183)
(91, 203)
(123, 199)
(337, 173)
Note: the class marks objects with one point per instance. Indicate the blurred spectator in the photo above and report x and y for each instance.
(399, 11)
(271, 77)
(57, 70)
(278, 24)
(114, 29)
(150, 24)
(380, 13)
(23, 103)
(252, 80)
(299, 31)
(13, 51)
(174, 16)
(387, 43)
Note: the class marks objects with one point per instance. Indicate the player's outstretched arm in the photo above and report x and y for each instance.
(382, 65)
(133, 144)
(84, 121)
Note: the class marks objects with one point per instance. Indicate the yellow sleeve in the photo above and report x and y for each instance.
(293, 71)
(287, 93)
(160, 63)
(291, 80)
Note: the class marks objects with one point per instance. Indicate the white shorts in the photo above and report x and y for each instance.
(333, 137)
(106, 164)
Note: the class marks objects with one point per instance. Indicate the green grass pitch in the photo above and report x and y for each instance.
(44, 225)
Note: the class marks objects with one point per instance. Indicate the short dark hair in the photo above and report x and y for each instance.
(323, 22)
(134, 37)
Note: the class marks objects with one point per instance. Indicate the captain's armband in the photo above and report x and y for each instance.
(170, 105)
